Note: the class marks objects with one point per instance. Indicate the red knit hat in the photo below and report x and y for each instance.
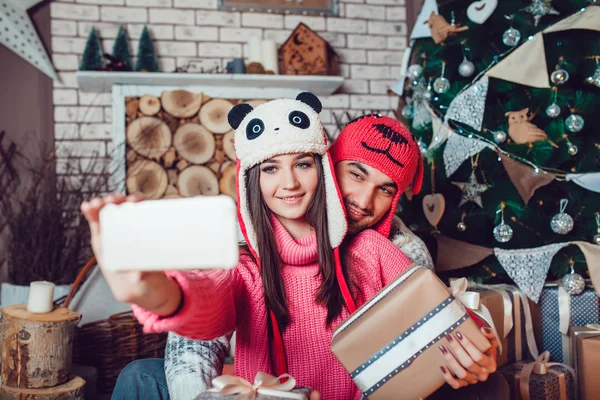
(386, 145)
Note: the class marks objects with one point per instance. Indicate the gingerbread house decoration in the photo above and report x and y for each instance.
(307, 53)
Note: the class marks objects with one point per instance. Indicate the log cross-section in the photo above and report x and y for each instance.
(37, 348)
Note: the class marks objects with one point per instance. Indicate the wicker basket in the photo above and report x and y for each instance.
(110, 344)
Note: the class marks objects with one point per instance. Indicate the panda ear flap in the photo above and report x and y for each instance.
(310, 100)
(238, 113)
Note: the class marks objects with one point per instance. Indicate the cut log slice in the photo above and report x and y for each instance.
(148, 178)
(149, 105)
(149, 137)
(169, 157)
(182, 164)
(256, 102)
(171, 193)
(228, 145)
(198, 180)
(194, 143)
(213, 116)
(72, 390)
(215, 167)
(131, 107)
(172, 174)
(181, 103)
(227, 182)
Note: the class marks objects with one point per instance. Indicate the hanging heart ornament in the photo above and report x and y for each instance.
(480, 11)
(434, 206)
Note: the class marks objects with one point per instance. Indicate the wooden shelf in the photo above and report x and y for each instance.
(223, 85)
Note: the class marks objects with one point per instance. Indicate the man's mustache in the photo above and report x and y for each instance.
(357, 207)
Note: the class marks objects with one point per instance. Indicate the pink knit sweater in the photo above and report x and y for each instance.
(217, 302)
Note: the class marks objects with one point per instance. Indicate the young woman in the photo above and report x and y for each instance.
(290, 290)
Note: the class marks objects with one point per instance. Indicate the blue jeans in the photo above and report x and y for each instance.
(142, 380)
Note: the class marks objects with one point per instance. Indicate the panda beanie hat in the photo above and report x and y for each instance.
(283, 126)
(385, 144)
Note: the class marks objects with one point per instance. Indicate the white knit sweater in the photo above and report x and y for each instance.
(191, 365)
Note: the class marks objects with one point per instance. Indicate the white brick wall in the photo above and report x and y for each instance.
(369, 36)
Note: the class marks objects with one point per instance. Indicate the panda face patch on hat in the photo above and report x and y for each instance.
(281, 126)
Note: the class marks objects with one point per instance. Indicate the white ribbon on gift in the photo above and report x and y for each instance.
(471, 300)
(564, 315)
(263, 384)
(512, 316)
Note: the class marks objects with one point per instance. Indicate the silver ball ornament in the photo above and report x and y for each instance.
(441, 85)
(511, 37)
(408, 111)
(503, 232)
(559, 76)
(461, 226)
(572, 149)
(574, 123)
(500, 136)
(414, 71)
(596, 239)
(466, 68)
(553, 110)
(573, 284)
(590, 80)
(561, 223)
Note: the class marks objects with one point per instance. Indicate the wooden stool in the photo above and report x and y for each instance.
(36, 348)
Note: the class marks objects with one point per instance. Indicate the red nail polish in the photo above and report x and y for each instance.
(459, 335)
(449, 338)
(443, 350)
(443, 369)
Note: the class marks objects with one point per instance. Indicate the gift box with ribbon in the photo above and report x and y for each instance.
(264, 387)
(585, 358)
(561, 311)
(541, 380)
(390, 345)
(516, 319)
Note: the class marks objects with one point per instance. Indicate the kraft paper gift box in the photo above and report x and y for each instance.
(390, 345)
(516, 319)
(540, 380)
(561, 311)
(265, 387)
(585, 358)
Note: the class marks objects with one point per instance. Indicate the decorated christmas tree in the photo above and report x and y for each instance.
(504, 98)
(92, 60)
(146, 58)
(121, 49)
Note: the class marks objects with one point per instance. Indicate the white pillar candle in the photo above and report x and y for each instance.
(254, 50)
(269, 56)
(41, 297)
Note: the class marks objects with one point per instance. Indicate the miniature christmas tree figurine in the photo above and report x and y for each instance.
(92, 55)
(121, 49)
(146, 58)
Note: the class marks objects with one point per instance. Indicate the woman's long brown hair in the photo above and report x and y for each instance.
(329, 293)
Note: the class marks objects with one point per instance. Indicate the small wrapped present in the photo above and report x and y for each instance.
(390, 345)
(559, 312)
(585, 358)
(540, 380)
(515, 317)
(265, 387)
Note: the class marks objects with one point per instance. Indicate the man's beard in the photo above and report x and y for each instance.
(355, 227)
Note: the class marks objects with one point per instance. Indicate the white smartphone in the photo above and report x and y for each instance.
(173, 234)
